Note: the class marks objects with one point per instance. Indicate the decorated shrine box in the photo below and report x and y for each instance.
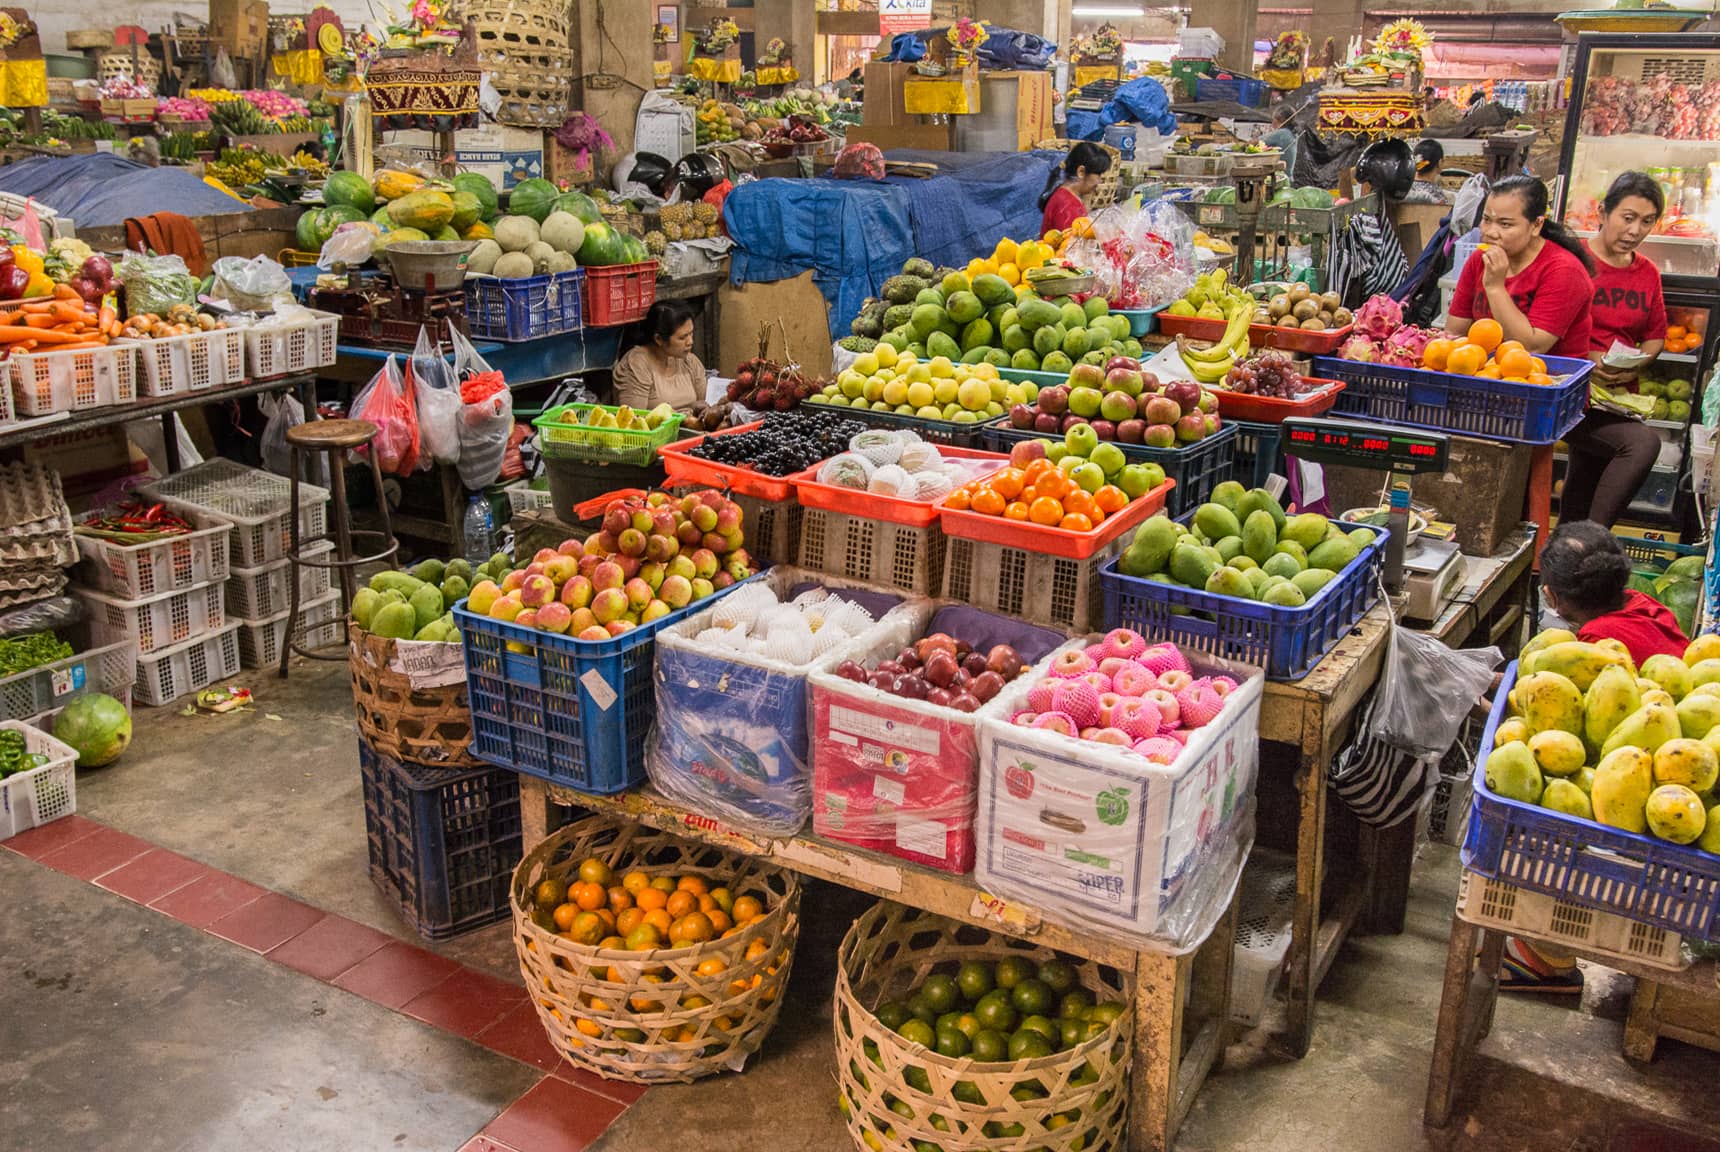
(896, 775)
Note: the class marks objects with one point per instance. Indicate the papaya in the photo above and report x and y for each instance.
(425, 211)
(1546, 638)
(1549, 701)
(396, 621)
(1646, 729)
(1623, 780)
(392, 185)
(1576, 661)
(1610, 699)
(1511, 772)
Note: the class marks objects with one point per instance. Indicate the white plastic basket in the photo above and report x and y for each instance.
(284, 350)
(44, 383)
(163, 677)
(31, 799)
(256, 595)
(1265, 906)
(1495, 904)
(109, 668)
(320, 626)
(251, 501)
(159, 622)
(194, 362)
(522, 497)
(139, 571)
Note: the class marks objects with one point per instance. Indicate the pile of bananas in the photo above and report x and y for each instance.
(214, 95)
(237, 168)
(309, 163)
(77, 128)
(1212, 364)
(240, 118)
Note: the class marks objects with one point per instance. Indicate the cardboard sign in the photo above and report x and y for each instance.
(903, 16)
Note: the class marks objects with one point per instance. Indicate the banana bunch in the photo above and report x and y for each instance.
(1211, 364)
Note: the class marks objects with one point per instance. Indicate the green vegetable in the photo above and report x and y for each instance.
(22, 653)
(15, 756)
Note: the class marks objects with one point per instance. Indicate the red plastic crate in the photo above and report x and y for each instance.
(1271, 409)
(1045, 539)
(619, 294)
(1259, 335)
(851, 502)
(685, 468)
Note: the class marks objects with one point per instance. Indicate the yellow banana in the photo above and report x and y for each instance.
(1211, 373)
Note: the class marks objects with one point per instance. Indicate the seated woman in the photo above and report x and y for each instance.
(661, 368)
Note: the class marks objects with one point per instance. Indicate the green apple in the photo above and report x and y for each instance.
(1055, 450)
(1090, 476)
(1085, 401)
(1080, 438)
(1133, 480)
(1109, 458)
(1069, 463)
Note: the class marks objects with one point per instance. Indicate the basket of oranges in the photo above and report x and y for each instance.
(952, 1037)
(650, 958)
(1479, 384)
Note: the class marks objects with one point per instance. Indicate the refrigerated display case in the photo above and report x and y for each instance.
(1651, 103)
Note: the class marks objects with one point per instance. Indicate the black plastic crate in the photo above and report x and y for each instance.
(444, 842)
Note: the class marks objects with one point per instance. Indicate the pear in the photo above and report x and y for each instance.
(1564, 796)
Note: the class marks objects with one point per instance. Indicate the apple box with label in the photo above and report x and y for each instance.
(1092, 833)
(894, 768)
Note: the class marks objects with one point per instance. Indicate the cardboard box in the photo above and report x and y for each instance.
(505, 156)
(956, 94)
(240, 26)
(1481, 491)
(883, 88)
(911, 134)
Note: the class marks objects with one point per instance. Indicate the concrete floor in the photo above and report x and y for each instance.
(114, 1018)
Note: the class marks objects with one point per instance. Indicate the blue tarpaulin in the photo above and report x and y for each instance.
(101, 190)
(854, 235)
(1141, 101)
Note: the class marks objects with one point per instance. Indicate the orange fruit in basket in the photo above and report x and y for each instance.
(659, 919)
(1540, 364)
(1491, 372)
(1675, 331)
(1508, 346)
(1466, 359)
(746, 907)
(1007, 483)
(1540, 378)
(693, 928)
(629, 919)
(681, 903)
(987, 502)
(607, 916)
(1052, 485)
(694, 884)
(635, 882)
(959, 500)
(587, 928)
(1015, 510)
(1075, 522)
(719, 919)
(563, 915)
(595, 871)
(1434, 355)
(1037, 468)
(1514, 362)
(712, 966)
(1045, 511)
(651, 898)
(1111, 498)
(1487, 333)
(1081, 502)
(620, 899)
(589, 897)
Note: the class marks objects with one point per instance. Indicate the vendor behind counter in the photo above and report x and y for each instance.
(660, 367)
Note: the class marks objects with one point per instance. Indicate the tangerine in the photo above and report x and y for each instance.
(680, 903)
(1052, 485)
(712, 966)
(720, 921)
(589, 896)
(1081, 501)
(1466, 359)
(1514, 362)
(620, 899)
(1075, 522)
(1015, 510)
(634, 881)
(1540, 364)
(1675, 332)
(746, 907)
(1111, 498)
(1434, 355)
(564, 914)
(1540, 378)
(1487, 333)
(1008, 483)
(651, 898)
(1491, 372)
(957, 500)
(1045, 510)
(628, 919)
(693, 928)
(659, 919)
(988, 502)
(1037, 468)
(595, 871)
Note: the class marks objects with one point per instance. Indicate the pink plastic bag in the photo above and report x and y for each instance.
(29, 226)
(388, 402)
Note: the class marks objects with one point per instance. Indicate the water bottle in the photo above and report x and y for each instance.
(479, 530)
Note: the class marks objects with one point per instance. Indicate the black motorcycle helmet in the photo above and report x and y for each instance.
(697, 173)
(1389, 166)
(645, 168)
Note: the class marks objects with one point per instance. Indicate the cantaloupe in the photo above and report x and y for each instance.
(483, 258)
(540, 254)
(514, 266)
(563, 231)
(516, 233)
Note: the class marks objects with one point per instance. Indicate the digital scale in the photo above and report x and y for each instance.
(1421, 577)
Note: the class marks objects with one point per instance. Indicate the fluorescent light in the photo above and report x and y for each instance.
(1126, 10)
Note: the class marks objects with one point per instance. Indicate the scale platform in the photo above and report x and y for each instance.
(1433, 571)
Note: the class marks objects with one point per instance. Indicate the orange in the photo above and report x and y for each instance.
(612, 942)
(707, 902)
(564, 914)
(1029, 494)
(1540, 378)
(1075, 522)
(634, 881)
(720, 921)
(1466, 359)
(590, 897)
(587, 928)
(746, 907)
(620, 899)
(1515, 362)
(957, 500)
(1052, 237)
(693, 928)
(1111, 498)
(1487, 333)
(1082, 502)
(660, 920)
(595, 871)
(1054, 485)
(1081, 226)
(628, 920)
(681, 903)
(1491, 372)
(651, 898)
(1037, 468)
(987, 502)
(756, 949)
(665, 884)
(1675, 332)
(1434, 355)
(589, 1027)
(1540, 364)
(724, 898)
(606, 915)
(1015, 510)
(1008, 483)
(1045, 510)
(712, 966)
(1508, 346)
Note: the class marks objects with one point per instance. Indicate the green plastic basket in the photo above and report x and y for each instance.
(635, 446)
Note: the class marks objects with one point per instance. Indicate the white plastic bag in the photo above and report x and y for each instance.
(486, 424)
(254, 285)
(1425, 691)
(438, 400)
(284, 413)
(351, 245)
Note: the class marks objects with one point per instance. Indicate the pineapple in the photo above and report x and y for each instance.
(705, 213)
(655, 242)
(672, 231)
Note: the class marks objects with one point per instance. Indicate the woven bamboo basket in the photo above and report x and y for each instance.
(668, 1015)
(524, 46)
(898, 1096)
(1105, 194)
(429, 726)
(118, 66)
(620, 219)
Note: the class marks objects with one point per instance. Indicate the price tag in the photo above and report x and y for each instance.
(598, 689)
(68, 680)
(1013, 916)
(1211, 215)
(429, 663)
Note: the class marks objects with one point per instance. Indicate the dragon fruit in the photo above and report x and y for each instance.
(1358, 347)
(1379, 317)
(1403, 348)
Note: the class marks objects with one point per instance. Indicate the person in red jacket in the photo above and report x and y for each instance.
(1584, 573)
(1065, 202)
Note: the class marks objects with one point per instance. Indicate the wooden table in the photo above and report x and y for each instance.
(1182, 1003)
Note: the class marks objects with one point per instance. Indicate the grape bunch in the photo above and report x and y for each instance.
(788, 442)
(1266, 375)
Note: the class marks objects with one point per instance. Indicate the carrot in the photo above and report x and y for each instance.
(65, 310)
(37, 304)
(66, 292)
(10, 318)
(82, 346)
(11, 334)
(36, 320)
(107, 318)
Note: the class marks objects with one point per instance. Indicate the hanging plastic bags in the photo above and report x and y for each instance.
(387, 402)
(438, 400)
(486, 415)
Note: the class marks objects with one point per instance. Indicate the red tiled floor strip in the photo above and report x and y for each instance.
(564, 1112)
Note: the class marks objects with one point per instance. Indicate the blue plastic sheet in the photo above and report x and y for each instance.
(854, 236)
(1140, 101)
(102, 190)
(1009, 48)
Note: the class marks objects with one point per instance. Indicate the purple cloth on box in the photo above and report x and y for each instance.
(985, 629)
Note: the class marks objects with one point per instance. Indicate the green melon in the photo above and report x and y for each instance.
(535, 198)
(580, 205)
(468, 210)
(98, 727)
(480, 187)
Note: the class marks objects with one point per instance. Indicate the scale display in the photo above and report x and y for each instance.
(1365, 445)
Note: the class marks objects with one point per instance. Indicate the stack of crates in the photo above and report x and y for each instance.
(249, 508)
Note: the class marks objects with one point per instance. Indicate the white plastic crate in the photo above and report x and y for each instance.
(33, 798)
(320, 626)
(1701, 460)
(861, 548)
(163, 677)
(251, 501)
(256, 595)
(158, 623)
(44, 383)
(282, 350)
(108, 669)
(1265, 906)
(775, 528)
(1495, 904)
(1038, 588)
(522, 497)
(139, 571)
(194, 362)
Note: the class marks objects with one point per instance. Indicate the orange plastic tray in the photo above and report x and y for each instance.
(893, 509)
(684, 468)
(1272, 409)
(1042, 538)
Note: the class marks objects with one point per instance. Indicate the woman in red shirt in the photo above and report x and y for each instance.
(1531, 274)
(1611, 454)
(1063, 203)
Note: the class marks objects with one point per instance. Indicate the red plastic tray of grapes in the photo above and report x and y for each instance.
(1044, 538)
(1272, 409)
(894, 509)
(1259, 335)
(683, 467)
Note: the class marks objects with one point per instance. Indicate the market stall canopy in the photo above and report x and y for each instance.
(102, 190)
(854, 235)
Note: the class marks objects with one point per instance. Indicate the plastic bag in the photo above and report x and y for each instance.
(486, 415)
(254, 285)
(351, 244)
(1010, 49)
(387, 402)
(1425, 691)
(221, 73)
(284, 412)
(438, 400)
(51, 614)
(155, 283)
(467, 362)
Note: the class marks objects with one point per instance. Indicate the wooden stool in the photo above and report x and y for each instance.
(333, 438)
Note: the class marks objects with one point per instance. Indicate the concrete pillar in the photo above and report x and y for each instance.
(795, 21)
(1234, 20)
(1337, 19)
(1059, 23)
(615, 63)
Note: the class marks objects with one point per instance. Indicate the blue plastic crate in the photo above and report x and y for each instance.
(1466, 405)
(1258, 453)
(1197, 468)
(572, 712)
(1287, 642)
(526, 309)
(443, 841)
(1652, 557)
(1248, 92)
(1672, 886)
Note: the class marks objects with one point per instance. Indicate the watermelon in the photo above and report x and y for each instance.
(1311, 198)
(535, 198)
(97, 726)
(602, 246)
(316, 226)
(580, 205)
(351, 189)
(634, 249)
(381, 219)
(480, 187)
